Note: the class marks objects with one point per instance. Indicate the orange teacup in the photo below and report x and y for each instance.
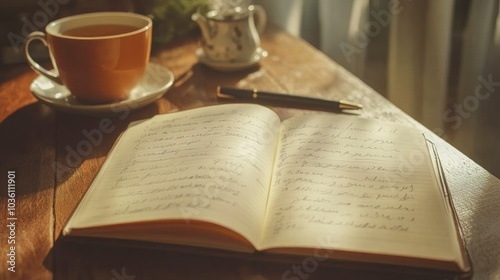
(99, 57)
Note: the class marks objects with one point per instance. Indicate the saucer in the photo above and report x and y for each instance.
(231, 66)
(152, 86)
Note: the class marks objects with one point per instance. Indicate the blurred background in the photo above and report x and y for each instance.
(436, 60)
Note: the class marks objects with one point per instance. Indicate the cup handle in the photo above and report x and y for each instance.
(37, 35)
(260, 18)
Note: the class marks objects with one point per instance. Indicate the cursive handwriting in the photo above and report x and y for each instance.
(205, 164)
(337, 178)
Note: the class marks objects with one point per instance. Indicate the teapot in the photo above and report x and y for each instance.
(233, 35)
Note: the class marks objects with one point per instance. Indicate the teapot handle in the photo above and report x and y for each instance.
(260, 17)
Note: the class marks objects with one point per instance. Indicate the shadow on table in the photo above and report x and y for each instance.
(10, 72)
(27, 147)
(41, 143)
(111, 259)
(80, 138)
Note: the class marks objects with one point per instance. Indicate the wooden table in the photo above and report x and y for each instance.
(35, 142)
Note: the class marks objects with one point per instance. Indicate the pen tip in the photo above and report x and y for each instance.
(349, 105)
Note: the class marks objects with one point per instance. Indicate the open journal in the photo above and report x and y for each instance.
(235, 177)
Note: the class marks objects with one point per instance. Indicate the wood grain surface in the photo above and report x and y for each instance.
(38, 143)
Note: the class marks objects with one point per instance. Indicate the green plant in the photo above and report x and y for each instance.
(172, 18)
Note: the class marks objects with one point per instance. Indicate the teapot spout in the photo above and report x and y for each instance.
(204, 26)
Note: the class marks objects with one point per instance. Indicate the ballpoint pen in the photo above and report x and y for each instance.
(284, 99)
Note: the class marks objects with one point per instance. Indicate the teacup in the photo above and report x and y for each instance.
(233, 35)
(99, 57)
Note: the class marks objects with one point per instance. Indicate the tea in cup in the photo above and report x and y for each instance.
(99, 57)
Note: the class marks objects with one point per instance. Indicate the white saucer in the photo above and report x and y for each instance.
(153, 85)
(231, 66)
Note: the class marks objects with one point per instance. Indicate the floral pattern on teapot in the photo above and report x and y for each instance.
(231, 37)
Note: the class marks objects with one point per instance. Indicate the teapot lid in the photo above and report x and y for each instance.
(235, 13)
